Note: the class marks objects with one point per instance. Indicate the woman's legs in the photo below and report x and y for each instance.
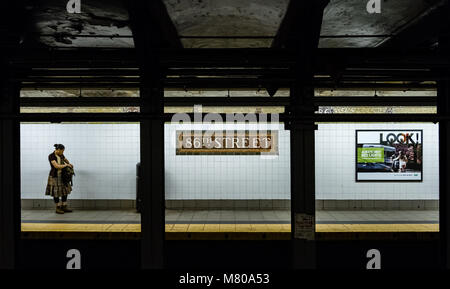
(58, 205)
(64, 200)
(57, 201)
(64, 205)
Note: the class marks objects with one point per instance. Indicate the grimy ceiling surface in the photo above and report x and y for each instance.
(106, 23)
(101, 24)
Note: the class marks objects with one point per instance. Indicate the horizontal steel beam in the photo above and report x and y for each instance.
(84, 79)
(200, 75)
(58, 86)
(359, 74)
(169, 72)
(241, 57)
(339, 66)
(79, 101)
(226, 85)
(199, 71)
(224, 101)
(377, 86)
(284, 117)
(407, 78)
(168, 58)
(375, 101)
(83, 72)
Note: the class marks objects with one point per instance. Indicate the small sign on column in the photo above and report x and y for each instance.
(304, 226)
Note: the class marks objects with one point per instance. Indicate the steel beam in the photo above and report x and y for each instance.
(226, 101)
(284, 117)
(299, 31)
(375, 101)
(9, 176)
(239, 57)
(443, 109)
(444, 170)
(13, 25)
(151, 34)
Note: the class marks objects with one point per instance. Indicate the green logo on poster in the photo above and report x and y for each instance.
(370, 155)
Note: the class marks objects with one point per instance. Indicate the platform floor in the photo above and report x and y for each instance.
(231, 221)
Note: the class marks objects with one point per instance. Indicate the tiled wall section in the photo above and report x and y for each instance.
(335, 165)
(320, 204)
(228, 204)
(227, 176)
(104, 158)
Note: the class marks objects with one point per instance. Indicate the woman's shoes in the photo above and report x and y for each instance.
(65, 209)
(59, 210)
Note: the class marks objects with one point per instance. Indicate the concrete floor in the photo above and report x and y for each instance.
(233, 217)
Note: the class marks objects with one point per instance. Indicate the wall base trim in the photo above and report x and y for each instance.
(348, 205)
(80, 204)
(229, 204)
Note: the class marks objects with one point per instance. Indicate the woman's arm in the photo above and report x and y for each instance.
(56, 165)
(67, 161)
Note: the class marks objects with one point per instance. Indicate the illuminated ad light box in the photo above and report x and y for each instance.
(389, 155)
(212, 142)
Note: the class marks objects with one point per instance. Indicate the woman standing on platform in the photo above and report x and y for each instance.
(55, 185)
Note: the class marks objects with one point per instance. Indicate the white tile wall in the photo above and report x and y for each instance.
(335, 165)
(227, 176)
(104, 158)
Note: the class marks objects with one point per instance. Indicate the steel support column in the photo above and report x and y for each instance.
(443, 109)
(152, 31)
(302, 181)
(152, 164)
(301, 32)
(9, 176)
(12, 25)
(444, 170)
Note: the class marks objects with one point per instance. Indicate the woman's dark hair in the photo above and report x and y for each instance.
(59, 146)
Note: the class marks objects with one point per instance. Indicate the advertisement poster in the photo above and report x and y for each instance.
(389, 155)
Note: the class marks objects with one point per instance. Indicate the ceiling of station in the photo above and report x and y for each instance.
(227, 18)
(106, 23)
(100, 24)
(350, 17)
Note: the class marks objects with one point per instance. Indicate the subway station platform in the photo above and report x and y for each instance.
(212, 224)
